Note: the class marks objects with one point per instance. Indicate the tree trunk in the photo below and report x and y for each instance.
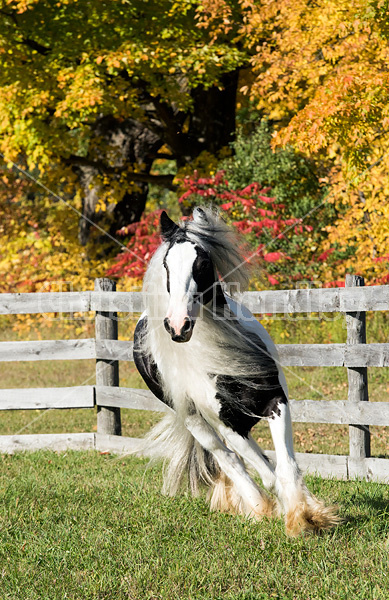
(132, 144)
(212, 124)
(209, 126)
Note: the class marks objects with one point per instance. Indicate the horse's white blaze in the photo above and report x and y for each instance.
(179, 260)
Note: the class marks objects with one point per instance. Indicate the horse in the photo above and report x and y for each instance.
(216, 368)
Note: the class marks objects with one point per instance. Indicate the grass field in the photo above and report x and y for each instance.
(86, 526)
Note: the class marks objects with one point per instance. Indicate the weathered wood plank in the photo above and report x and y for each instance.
(50, 302)
(268, 301)
(340, 412)
(291, 301)
(107, 370)
(42, 398)
(317, 300)
(366, 355)
(303, 411)
(340, 467)
(296, 355)
(58, 442)
(127, 302)
(114, 349)
(48, 350)
(361, 299)
(309, 355)
(372, 469)
(129, 398)
(312, 355)
(326, 465)
(334, 355)
(118, 444)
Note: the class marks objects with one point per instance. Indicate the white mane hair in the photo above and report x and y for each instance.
(209, 231)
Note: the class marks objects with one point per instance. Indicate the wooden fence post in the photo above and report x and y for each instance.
(107, 371)
(359, 435)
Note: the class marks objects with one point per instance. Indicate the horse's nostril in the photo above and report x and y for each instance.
(166, 324)
(187, 325)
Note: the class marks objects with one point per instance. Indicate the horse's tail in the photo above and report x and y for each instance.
(186, 463)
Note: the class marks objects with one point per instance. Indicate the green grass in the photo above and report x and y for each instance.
(82, 526)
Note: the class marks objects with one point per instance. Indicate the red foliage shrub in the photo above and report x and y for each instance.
(254, 214)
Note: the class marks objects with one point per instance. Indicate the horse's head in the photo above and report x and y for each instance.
(190, 278)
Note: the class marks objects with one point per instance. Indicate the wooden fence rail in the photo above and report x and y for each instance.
(104, 303)
(291, 355)
(321, 300)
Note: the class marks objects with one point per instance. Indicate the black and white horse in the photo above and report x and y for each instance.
(216, 367)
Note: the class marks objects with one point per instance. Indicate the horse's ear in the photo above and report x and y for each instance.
(168, 227)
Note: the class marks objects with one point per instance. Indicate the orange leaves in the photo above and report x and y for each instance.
(215, 16)
(338, 71)
(305, 51)
(83, 91)
(362, 232)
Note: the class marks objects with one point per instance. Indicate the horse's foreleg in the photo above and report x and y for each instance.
(235, 491)
(303, 512)
(249, 450)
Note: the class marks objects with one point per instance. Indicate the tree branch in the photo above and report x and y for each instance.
(168, 121)
(161, 180)
(36, 46)
(26, 41)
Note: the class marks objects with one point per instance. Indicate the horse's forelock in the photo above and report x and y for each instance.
(223, 245)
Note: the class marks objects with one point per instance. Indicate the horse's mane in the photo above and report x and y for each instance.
(210, 232)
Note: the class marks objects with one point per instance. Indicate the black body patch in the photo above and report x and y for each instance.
(146, 365)
(244, 401)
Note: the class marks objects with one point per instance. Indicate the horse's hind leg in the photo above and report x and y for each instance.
(235, 491)
(303, 512)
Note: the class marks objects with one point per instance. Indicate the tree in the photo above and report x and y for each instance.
(93, 92)
(319, 72)
(40, 249)
(96, 93)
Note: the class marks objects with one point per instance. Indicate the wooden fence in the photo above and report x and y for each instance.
(356, 355)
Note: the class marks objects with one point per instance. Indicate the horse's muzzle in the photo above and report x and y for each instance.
(185, 333)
